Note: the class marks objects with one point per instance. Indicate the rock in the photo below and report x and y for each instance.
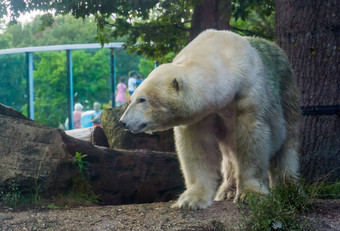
(33, 155)
(119, 138)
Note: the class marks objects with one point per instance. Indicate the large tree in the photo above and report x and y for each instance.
(153, 27)
(309, 32)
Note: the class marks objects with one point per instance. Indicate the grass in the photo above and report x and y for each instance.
(283, 207)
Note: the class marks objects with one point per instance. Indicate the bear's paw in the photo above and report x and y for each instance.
(193, 200)
(225, 193)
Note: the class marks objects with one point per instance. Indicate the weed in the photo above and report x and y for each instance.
(283, 207)
(329, 191)
(81, 185)
(10, 194)
(78, 159)
(52, 206)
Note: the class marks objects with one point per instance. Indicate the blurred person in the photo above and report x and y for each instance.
(77, 115)
(95, 117)
(132, 82)
(139, 79)
(120, 93)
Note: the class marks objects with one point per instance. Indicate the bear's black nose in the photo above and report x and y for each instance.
(121, 123)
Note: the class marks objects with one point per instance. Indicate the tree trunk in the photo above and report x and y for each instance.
(309, 32)
(210, 14)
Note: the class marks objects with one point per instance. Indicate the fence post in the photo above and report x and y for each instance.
(113, 76)
(29, 85)
(69, 88)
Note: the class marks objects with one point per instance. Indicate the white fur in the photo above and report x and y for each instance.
(224, 109)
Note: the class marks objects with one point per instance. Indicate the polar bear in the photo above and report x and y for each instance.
(233, 104)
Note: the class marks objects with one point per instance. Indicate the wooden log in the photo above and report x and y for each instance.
(94, 135)
(129, 176)
(37, 157)
(120, 138)
(7, 111)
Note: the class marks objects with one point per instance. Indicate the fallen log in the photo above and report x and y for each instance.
(94, 135)
(120, 138)
(37, 157)
(129, 176)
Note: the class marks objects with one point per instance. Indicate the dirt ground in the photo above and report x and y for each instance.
(155, 216)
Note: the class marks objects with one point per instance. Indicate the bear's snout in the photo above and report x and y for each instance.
(134, 127)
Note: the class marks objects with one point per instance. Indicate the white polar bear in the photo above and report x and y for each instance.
(231, 100)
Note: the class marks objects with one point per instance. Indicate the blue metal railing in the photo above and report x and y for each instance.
(69, 47)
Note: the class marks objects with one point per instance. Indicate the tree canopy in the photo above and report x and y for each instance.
(153, 28)
(156, 27)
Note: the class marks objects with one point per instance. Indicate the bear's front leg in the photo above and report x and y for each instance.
(200, 159)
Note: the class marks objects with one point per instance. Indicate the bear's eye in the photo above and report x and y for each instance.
(140, 100)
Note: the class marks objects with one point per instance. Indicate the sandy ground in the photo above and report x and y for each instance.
(155, 216)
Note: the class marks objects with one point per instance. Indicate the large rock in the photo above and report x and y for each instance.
(119, 138)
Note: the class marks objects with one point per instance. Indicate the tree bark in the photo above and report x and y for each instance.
(210, 14)
(309, 32)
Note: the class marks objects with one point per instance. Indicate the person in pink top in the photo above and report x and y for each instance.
(120, 95)
(77, 115)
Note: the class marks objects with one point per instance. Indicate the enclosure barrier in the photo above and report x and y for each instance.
(69, 64)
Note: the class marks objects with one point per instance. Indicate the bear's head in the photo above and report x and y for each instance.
(162, 101)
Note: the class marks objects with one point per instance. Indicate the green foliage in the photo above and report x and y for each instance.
(81, 185)
(243, 8)
(283, 207)
(255, 24)
(78, 159)
(12, 80)
(91, 75)
(146, 66)
(152, 28)
(10, 194)
(52, 206)
(46, 21)
(324, 190)
(329, 191)
(91, 67)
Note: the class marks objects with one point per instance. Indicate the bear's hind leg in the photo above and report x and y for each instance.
(227, 190)
(252, 159)
(284, 166)
(200, 159)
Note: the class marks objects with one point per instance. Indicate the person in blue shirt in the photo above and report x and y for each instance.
(95, 117)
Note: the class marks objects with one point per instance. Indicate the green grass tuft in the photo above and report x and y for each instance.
(283, 207)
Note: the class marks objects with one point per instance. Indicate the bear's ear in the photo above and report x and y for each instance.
(181, 60)
(175, 84)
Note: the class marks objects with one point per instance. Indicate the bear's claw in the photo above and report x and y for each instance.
(190, 201)
(225, 194)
